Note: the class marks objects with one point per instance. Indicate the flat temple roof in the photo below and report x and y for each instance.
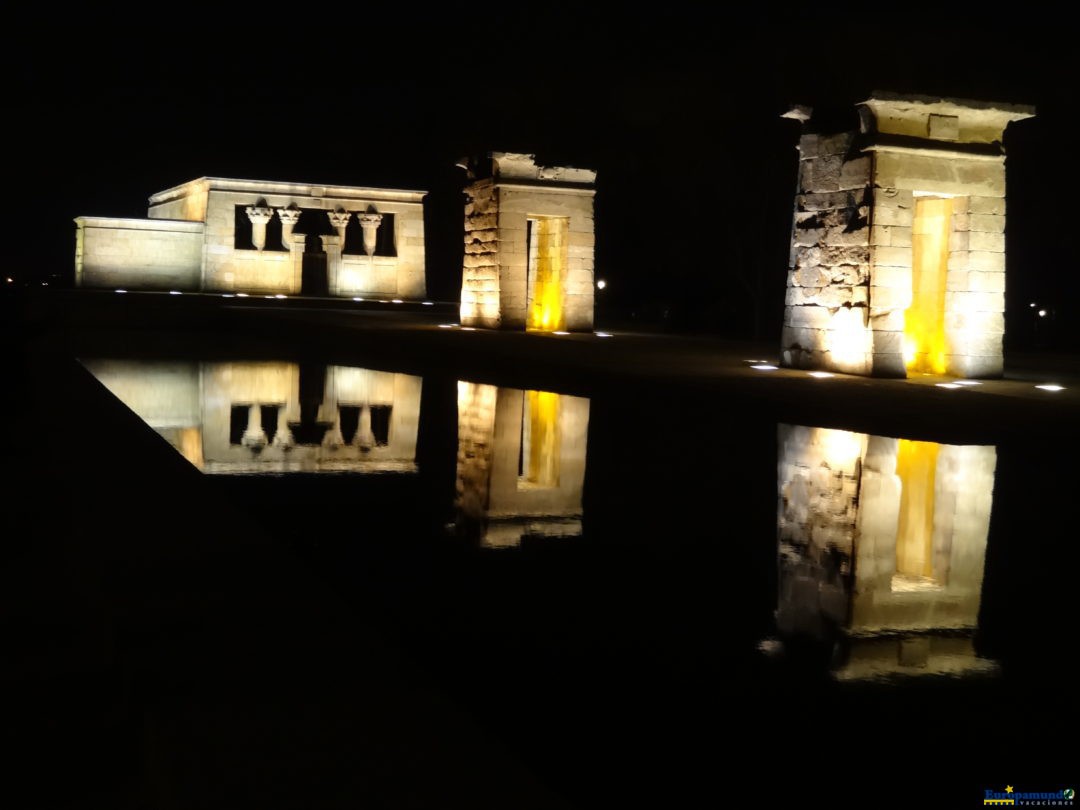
(202, 184)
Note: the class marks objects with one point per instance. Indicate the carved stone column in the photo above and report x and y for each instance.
(296, 244)
(332, 246)
(370, 223)
(364, 437)
(340, 220)
(254, 437)
(289, 217)
(283, 438)
(259, 216)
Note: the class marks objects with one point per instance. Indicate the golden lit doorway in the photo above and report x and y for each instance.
(538, 464)
(916, 466)
(924, 320)
(547, 250)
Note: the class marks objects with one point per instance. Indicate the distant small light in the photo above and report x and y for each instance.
(358, 299)
(241, 295)
(429, 303)
(468, 329)
(44, 284)
(227, 295)
(604, 334)
(821, 375)
(279, 295)
(560, 333)
(947, 385)
(119, 291)
(1033, 305)
(9, 280)
(968, 382)
(268, 296)
(756, 361)
(1051, 387)
(382, 301)
(763, 367)
(1042, 313)
(447, 325)
(175, 292)
(601, 284)
(397, 301)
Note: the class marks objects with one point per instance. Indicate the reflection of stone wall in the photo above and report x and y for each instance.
(494, 290)
(838, 526)
(192, 406)
(496, 504)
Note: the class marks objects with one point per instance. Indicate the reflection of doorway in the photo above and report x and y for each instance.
(313, 280)
(924, 320)
(547, 248)
(539, 456)
(916, 466)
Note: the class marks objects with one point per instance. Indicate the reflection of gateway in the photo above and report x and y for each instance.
(521, 464)
(882, 546)
(274, 417)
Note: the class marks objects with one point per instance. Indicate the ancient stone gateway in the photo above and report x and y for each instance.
(528, 246)
(898, 242)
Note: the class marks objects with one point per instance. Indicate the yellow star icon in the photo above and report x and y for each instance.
(1008, 788)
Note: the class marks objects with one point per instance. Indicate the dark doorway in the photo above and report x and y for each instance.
(313, 279)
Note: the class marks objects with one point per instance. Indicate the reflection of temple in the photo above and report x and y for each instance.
(882, 545)
(521, 463)
(274, 417)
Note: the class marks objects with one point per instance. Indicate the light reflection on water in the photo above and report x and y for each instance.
(273, 417)
(882, 546)
(520, 464)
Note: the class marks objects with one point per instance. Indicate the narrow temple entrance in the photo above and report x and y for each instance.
(916, 466)
(538, 462)
(547, 247)
(924, 320)
(313, 278)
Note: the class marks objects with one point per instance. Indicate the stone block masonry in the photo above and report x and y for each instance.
(898, 239)
(528, 253)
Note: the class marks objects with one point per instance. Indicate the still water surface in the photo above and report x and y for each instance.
(627, 587)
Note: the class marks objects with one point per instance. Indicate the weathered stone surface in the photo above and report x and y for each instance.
(813, 276)
(891, 256)
(890, 297)
(975, 322)
(855, 173)
(810, 317)
(892, 216)
(964, 302)
(888, 197)
(986, 205)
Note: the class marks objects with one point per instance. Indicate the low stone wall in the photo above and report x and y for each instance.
(150, 254)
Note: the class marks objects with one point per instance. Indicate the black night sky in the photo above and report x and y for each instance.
(677, 110)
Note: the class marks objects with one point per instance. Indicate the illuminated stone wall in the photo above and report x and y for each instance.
(497, 291)
(520, 464)
(213, 261)
(841, 556)
(193, 406)
(138, 253)
(852, 297)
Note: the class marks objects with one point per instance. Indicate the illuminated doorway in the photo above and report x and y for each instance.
(547, 251)
(539, 459)
(924, 320)
(916, 466)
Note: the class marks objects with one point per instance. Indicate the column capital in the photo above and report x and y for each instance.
(370, 220)
(339, 219)
(288, 216)
(259, 215)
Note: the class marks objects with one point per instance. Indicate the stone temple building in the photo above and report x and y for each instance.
(528, 246)
(273, 417)
(882, 547)
(898, 243)
(259, 237)
(520, 464)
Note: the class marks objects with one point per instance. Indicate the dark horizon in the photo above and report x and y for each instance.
(679, 115)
